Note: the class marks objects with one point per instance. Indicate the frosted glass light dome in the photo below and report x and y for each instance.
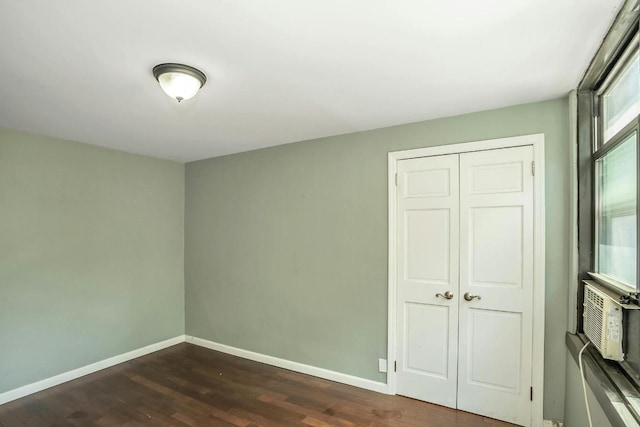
(179, 81)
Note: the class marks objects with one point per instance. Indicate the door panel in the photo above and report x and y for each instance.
(429, 183)
(427, 320)
(496, 264)
(503, 177)
(503, 331)
(427, 249)
(496, 246)
(427, 242)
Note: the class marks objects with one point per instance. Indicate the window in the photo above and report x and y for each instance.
(621, 99)
(616, 214)
(615, 167)
(608, 132)
(607, 103)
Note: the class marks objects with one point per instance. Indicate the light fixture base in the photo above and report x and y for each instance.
(179, 81)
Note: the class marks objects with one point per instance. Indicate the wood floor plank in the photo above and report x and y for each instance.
(186, 385)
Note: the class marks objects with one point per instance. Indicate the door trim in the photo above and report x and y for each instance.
(537, 142)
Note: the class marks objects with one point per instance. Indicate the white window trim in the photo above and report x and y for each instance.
(574, 266)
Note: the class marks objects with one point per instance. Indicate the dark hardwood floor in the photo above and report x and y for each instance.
(186, 385)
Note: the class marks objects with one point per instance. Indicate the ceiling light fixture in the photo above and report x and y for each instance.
(179, 81)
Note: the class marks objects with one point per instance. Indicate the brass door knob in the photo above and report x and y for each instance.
(469, 297)
(447, 295)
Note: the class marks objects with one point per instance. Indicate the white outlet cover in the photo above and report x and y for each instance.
(382, 365)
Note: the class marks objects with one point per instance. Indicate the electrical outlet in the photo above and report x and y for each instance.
(382, 365)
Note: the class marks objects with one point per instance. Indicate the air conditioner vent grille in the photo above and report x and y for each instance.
(593, 315)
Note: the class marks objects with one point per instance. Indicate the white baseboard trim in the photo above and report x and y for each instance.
(28, 389)
(292, 366)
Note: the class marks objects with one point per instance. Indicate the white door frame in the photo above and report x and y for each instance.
(537, 141)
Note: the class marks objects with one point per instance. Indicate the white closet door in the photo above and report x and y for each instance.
(427, 251)
(496, 265)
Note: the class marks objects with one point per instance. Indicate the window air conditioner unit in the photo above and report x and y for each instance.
(603, 320)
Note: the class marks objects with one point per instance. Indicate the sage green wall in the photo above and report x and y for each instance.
(575, 414)
(91, 255)
(286, 247)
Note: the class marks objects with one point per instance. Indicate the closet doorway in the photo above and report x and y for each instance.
(466, 285)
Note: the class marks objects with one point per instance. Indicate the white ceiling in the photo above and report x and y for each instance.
(280, 70)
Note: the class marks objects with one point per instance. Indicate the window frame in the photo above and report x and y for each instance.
(612, 76)
(622, 383)
(591, 148)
